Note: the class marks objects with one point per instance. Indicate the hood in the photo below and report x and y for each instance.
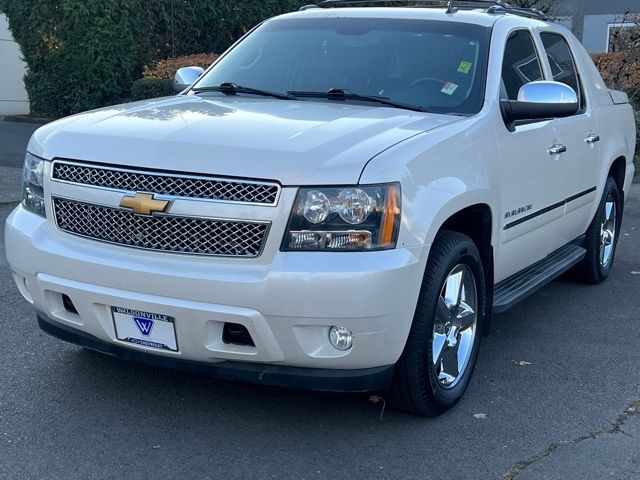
(293, 142)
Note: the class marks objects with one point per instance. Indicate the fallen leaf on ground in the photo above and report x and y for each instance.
(480, 416)
(522, 363)
(376, 399)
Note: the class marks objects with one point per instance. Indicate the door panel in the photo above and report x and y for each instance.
(532, 194)
(579, 164)
(532, 190)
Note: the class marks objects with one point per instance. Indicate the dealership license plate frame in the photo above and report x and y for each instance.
(129, 326)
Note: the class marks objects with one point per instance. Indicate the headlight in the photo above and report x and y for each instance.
(344, 218)
(32, 191)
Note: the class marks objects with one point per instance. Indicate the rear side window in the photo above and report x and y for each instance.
(521, 64)
(563, 67)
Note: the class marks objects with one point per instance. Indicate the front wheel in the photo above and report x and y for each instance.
(441, 351)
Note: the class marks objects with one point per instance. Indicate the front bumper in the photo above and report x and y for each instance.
(286, 300)
(332, 380)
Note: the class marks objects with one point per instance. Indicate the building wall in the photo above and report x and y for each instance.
(13, 96)
(595, 36)
(590, 19)
(597, 7)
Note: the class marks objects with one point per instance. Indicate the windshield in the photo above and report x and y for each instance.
(437, 66)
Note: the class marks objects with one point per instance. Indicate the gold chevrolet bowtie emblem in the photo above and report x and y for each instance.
(144, 204)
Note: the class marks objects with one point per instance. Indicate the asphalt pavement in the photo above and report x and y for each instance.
(13, 140)
(555, 395)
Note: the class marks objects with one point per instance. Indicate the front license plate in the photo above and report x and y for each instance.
(143, 328)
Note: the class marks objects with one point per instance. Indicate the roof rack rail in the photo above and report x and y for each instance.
(452, 6)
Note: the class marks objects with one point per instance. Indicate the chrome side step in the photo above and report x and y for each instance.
(519, 286)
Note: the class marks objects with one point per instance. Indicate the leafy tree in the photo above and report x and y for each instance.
(542, 5)
(84, 54)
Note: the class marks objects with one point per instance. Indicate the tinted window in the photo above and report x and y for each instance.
(561, 60)
(439, 66)
(521, 64)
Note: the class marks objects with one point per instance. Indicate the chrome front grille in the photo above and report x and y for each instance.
(189, 186)
(168, 233)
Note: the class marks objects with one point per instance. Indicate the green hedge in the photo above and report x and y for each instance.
(151, 88)
(83, 54)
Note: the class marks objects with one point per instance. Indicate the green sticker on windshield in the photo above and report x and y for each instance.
(465, 67)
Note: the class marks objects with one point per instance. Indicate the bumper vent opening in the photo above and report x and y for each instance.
(68, 304)
(236, 334)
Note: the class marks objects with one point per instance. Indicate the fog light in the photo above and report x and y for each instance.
(341, 338)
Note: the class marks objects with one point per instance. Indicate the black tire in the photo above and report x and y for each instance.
(416, 388)
(591, 270)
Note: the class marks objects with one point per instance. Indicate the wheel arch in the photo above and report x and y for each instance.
(475, 218)
(618, 171)
(476, 221)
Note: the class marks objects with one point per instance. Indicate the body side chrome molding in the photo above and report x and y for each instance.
(549, 208)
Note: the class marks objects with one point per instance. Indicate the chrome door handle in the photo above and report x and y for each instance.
(557, 149)
(593, 138)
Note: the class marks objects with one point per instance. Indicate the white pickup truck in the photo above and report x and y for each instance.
(340, 202)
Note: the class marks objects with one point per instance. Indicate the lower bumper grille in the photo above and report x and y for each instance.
(199, 236)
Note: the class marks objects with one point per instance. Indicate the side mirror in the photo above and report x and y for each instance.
(185, 76)
(539, 100)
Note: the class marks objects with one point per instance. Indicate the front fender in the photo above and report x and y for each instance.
(441, 172)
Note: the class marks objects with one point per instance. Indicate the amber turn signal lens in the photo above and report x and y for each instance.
(391, 216)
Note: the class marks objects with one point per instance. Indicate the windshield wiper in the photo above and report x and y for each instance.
(344, 94)
(229, 88)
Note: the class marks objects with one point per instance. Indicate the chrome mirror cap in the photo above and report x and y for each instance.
(539, 101)
(546, 92)
(185, 77)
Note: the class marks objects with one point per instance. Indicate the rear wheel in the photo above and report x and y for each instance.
(601, 238)
(441, 351)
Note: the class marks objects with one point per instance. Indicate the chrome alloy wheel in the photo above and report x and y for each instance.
(454, 327)
(608, 231)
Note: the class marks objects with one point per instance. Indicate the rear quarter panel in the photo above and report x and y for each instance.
(617, 129)
(616, 122)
